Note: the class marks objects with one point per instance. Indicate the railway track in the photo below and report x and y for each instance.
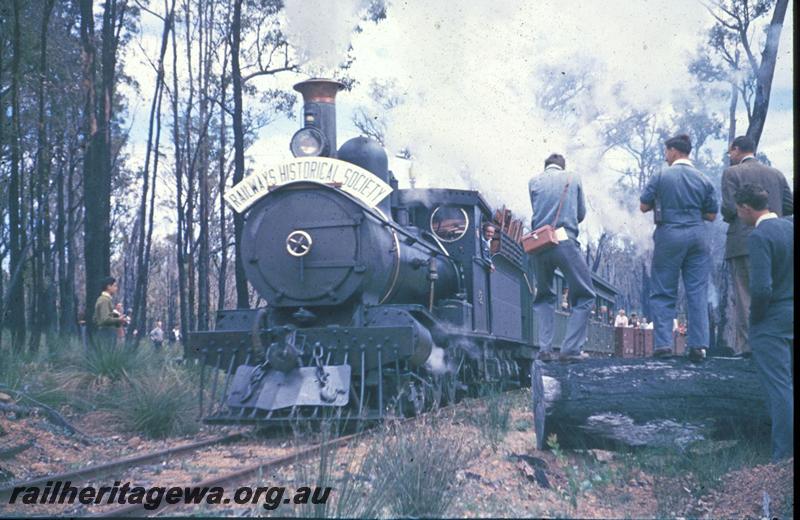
(98, 470)
(228, 479)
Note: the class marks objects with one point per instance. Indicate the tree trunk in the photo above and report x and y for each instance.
(3, 250)
(242, 296)
(223, 225)
(61, 241)
(16, 231)
(205, 24)
(766, 71)
(732, 118)
(179, 232)
(647, 402)
(68, 319)
(189, 245)
(145, 234)
(41, 319)
(95, 221)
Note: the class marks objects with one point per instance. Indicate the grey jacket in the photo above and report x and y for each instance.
(751, 171)
(545, 191)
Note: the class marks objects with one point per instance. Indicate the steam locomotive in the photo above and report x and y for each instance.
(380, 300)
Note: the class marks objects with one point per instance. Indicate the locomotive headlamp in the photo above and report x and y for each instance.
(307, 142)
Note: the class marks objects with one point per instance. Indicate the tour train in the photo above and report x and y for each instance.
(379, 300)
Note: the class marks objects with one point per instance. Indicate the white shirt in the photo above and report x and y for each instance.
(766, 216)
(621, 321)
(685, 161)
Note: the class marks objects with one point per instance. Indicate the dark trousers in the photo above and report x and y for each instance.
(771, 341)
(566, 257)
(739, 268)
(104, 337)
(680, 251)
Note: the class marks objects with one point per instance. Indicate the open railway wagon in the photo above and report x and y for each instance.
(380, 300)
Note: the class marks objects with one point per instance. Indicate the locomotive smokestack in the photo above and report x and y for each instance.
(318, 135)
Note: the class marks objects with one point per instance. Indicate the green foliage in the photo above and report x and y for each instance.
(582, 475)
(707, 461)
(406, 470)
(493, 415)
(158, 404)
(573, 479)
(419, 466)
(147, 394)
(361, 490)
(113, 363)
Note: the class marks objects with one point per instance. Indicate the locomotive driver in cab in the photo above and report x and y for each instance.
(683, 199)
(557, 199)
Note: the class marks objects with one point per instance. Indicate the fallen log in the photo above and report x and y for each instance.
(604, 403)
(6, 452)
(52, 415)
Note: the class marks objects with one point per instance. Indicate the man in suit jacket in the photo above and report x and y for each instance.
(746, 169)
(771, 248)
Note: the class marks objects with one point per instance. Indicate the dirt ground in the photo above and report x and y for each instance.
(505, 478)
(48, 449)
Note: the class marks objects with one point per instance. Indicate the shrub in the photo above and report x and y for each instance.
(419, 466)
(493, 414)
(157, 404)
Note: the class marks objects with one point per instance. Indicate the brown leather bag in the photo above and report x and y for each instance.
(544, 238)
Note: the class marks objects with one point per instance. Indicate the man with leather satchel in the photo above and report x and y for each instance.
(558, 207)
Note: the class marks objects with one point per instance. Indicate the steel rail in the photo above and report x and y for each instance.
(254, 469)
(107, 467)
(235, 476)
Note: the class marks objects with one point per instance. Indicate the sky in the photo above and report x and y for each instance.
(468, 74)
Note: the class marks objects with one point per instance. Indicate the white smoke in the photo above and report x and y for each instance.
(321, 30)
(467, 75)
(436, 363)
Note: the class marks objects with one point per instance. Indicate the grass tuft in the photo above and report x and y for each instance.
(420, 467)
(112, 363)
(493, 415)
(158, 404)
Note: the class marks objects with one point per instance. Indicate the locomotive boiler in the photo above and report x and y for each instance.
(379, 300)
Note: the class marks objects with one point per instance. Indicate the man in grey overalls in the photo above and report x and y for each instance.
(548, 192)
(682, 198)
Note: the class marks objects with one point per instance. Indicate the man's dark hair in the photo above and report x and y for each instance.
(488, 225)
(681, 142)
(744, 143)
(105, 282)
(556, 159)
(753, 195)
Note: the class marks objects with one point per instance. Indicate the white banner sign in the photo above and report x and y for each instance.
(358, 182)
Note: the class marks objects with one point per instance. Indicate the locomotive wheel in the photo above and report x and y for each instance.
(473, 379)
(451, 382)
(449, 386)
(411, 400)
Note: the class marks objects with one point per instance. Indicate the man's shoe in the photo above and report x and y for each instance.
(573, 358)
(663, 352)
(545, 356)
(697, 355)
